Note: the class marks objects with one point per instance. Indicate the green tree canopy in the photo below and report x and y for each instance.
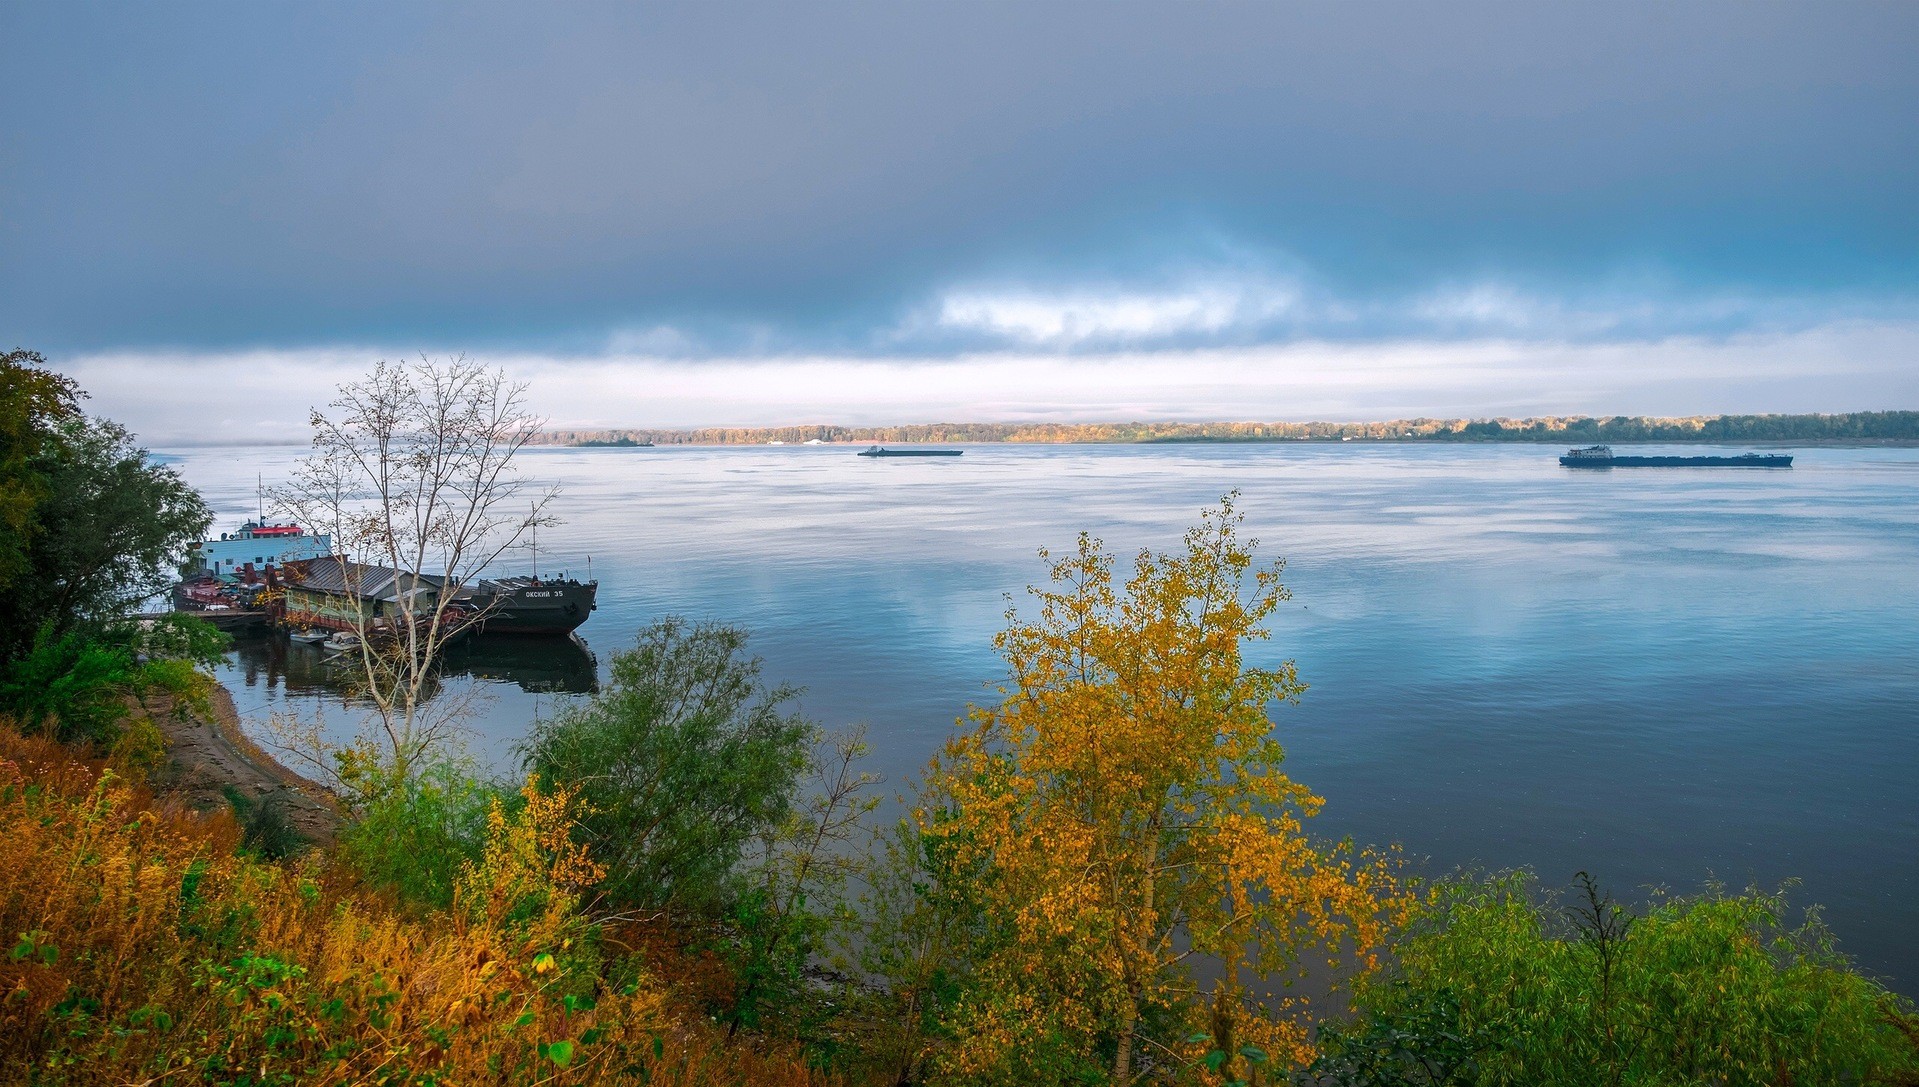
(680, 761)
(106, 534)
(33, 401)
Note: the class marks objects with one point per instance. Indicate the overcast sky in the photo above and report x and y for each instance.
(729, 213)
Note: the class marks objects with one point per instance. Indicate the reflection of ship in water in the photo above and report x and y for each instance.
(538, 665)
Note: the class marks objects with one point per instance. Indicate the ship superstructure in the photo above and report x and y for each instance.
(245, 555)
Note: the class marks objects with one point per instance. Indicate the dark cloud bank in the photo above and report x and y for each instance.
(917, 179)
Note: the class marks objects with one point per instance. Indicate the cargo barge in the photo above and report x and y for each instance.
(1601, 456)
(882, 451)
(331, 593)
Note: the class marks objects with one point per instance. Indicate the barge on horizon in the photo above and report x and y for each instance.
(882, 451)
(1601, 456)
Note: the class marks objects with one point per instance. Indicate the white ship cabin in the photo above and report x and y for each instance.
(259, 545)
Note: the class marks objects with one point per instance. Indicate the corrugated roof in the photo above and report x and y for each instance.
(333, 574)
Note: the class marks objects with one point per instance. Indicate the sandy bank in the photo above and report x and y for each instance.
(207, 756)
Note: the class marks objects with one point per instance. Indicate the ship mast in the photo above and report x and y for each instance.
(533, 545)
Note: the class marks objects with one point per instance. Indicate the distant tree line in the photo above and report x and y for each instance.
(1847, 426)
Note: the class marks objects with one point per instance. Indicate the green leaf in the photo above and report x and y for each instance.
(1214, 1059)
(1254, 1053)
(560, 1053)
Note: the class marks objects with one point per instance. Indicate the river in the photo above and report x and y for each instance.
(1659, 676)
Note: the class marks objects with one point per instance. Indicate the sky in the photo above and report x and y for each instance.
(680, 215)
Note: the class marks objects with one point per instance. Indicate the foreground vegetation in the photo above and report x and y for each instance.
(1107, 877)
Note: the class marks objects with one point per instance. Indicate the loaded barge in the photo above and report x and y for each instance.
(1601, 456)
(882, 451)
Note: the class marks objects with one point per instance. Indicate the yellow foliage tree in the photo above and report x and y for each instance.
(1127, 801)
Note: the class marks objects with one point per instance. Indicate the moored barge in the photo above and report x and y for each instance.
(331, 593)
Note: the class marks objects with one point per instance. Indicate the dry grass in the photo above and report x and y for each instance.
(145, 949)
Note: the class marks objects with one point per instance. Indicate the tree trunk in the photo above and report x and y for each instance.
(1129, 1018)
(1135, 969)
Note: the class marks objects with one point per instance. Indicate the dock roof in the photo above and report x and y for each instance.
(333, 574)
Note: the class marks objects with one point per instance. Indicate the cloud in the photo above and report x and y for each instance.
(1252, 304)
(218, 177)
(1073, 318)
(1647, 308)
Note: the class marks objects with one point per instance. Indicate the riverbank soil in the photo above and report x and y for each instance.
(206, 757)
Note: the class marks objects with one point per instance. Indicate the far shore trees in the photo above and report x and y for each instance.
(414, 469)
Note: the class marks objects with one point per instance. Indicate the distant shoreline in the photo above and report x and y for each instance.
(1889, 428)
(1774, 443)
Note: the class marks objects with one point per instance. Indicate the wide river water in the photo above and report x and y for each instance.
(1661, 676)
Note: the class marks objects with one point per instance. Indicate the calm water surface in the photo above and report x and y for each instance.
(1660, 676)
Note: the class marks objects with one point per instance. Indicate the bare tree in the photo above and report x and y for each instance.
(413, 474)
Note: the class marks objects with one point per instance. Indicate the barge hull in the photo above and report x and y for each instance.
(527, 606)
(1774, 461)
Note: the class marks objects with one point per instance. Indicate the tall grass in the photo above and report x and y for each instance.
(146, 946)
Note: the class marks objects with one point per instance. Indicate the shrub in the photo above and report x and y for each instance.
(680, 761)
(70, 686)
(265, 826)
(415, 835)
(82, 685)
(145, 948)
(1496, 985)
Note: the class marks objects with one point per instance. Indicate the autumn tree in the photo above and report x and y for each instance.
(415, 469)
(1127, 815)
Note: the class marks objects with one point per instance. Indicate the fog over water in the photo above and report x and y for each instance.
(1660, 676)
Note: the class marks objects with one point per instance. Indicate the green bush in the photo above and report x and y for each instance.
(75, 685)
(70, 686)
(1495, 985)
(680, 761)
(415, 834)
